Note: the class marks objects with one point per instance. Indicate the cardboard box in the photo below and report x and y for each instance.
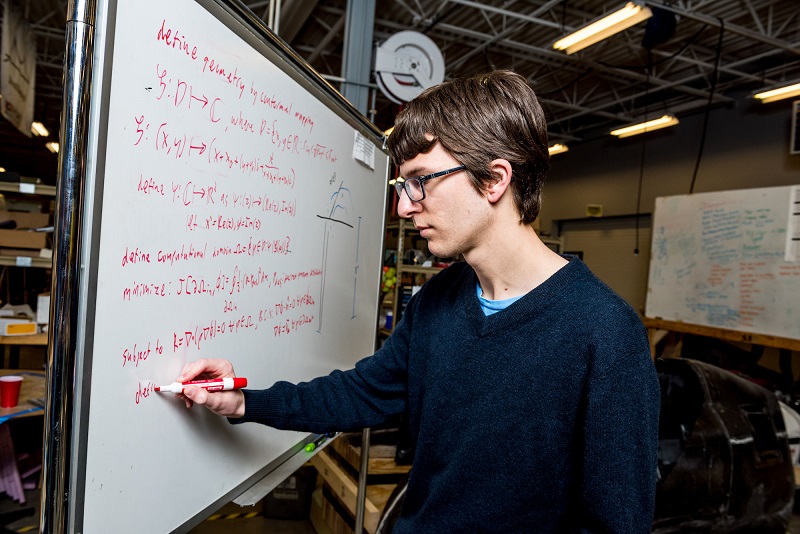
(25, 219)
(22, 237)
(13, 326)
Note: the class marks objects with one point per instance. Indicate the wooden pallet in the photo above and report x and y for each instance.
(337, 464)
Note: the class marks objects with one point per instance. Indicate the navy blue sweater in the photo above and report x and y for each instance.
(540, 418)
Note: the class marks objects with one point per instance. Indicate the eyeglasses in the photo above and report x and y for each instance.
(413, 186)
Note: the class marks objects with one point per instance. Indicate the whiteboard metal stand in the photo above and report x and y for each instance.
(361, 495)
(62, 342)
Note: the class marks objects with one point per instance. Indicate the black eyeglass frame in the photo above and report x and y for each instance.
(403, 183)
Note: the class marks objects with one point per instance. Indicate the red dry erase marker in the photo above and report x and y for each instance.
(213, 384)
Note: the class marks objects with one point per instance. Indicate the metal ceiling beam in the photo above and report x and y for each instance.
(578, 61)
(294, 14)
(333, 32)
(521, 16)
(509, 31)
(712, 21)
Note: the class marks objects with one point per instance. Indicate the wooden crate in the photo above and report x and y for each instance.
(337, 464)
(381, 452)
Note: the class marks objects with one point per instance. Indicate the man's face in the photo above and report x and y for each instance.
(453, 213)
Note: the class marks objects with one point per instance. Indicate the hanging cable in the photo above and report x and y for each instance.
(643, 152)
(714, 78)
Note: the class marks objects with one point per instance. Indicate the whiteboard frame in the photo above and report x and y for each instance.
(81, 171)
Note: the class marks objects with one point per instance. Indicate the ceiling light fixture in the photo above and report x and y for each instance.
(52, 147)
(557, 148)
(632, 13)
(2, 169)
(37, 128)
(780, 93)
(649, 126)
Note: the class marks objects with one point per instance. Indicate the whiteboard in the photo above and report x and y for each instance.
(728, 260)
(236, 211)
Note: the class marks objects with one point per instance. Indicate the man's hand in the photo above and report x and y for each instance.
(226, 403)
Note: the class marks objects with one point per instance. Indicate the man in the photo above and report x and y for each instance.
(527, 383)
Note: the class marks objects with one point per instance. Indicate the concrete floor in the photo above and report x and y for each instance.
(260, 525)
(254, 525)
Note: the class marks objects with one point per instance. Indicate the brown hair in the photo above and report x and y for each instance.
(480, 119)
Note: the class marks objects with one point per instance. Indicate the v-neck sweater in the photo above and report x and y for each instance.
(540, 418)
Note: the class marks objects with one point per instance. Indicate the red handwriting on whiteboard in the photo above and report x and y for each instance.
(134, 355)
(263, 203)
(141, 128)
(192, 285)
(789, 270)
(148, 186)
(196, 337)
(190, 192)
(179, 145)
(290, 326)
(172, 38)
(182, 93)
(240, 280)
(144, 392)
(242, 123)
(270, 101)
(278, 280)
(304, 120)
(290, 303)
(144, 289)
(230, 306)
(185, 253)
(234, 224)
(237, 280)
(228, 73)
(254, 247)
(135, 256)
(175, 40)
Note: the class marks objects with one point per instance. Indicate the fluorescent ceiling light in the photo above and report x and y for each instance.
(557, 148)
(649, 126)
(779, 93)
(52, 147)
(604, 27)
(37, 128)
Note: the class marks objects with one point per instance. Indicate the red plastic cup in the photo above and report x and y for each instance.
(9, 390)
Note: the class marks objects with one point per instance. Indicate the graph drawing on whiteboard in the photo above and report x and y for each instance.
(338, 217)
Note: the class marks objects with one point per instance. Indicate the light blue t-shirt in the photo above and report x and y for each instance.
(493, 306)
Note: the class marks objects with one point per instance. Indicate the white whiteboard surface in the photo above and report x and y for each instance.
(728, 260)
(230, 219)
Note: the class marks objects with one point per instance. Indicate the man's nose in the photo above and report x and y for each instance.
(406, 208)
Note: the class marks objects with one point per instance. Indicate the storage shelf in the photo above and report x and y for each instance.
(33, 339)
(38, 189)
(12, 261)
(419, 269)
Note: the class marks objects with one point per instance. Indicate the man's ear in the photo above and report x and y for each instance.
(501, 169)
